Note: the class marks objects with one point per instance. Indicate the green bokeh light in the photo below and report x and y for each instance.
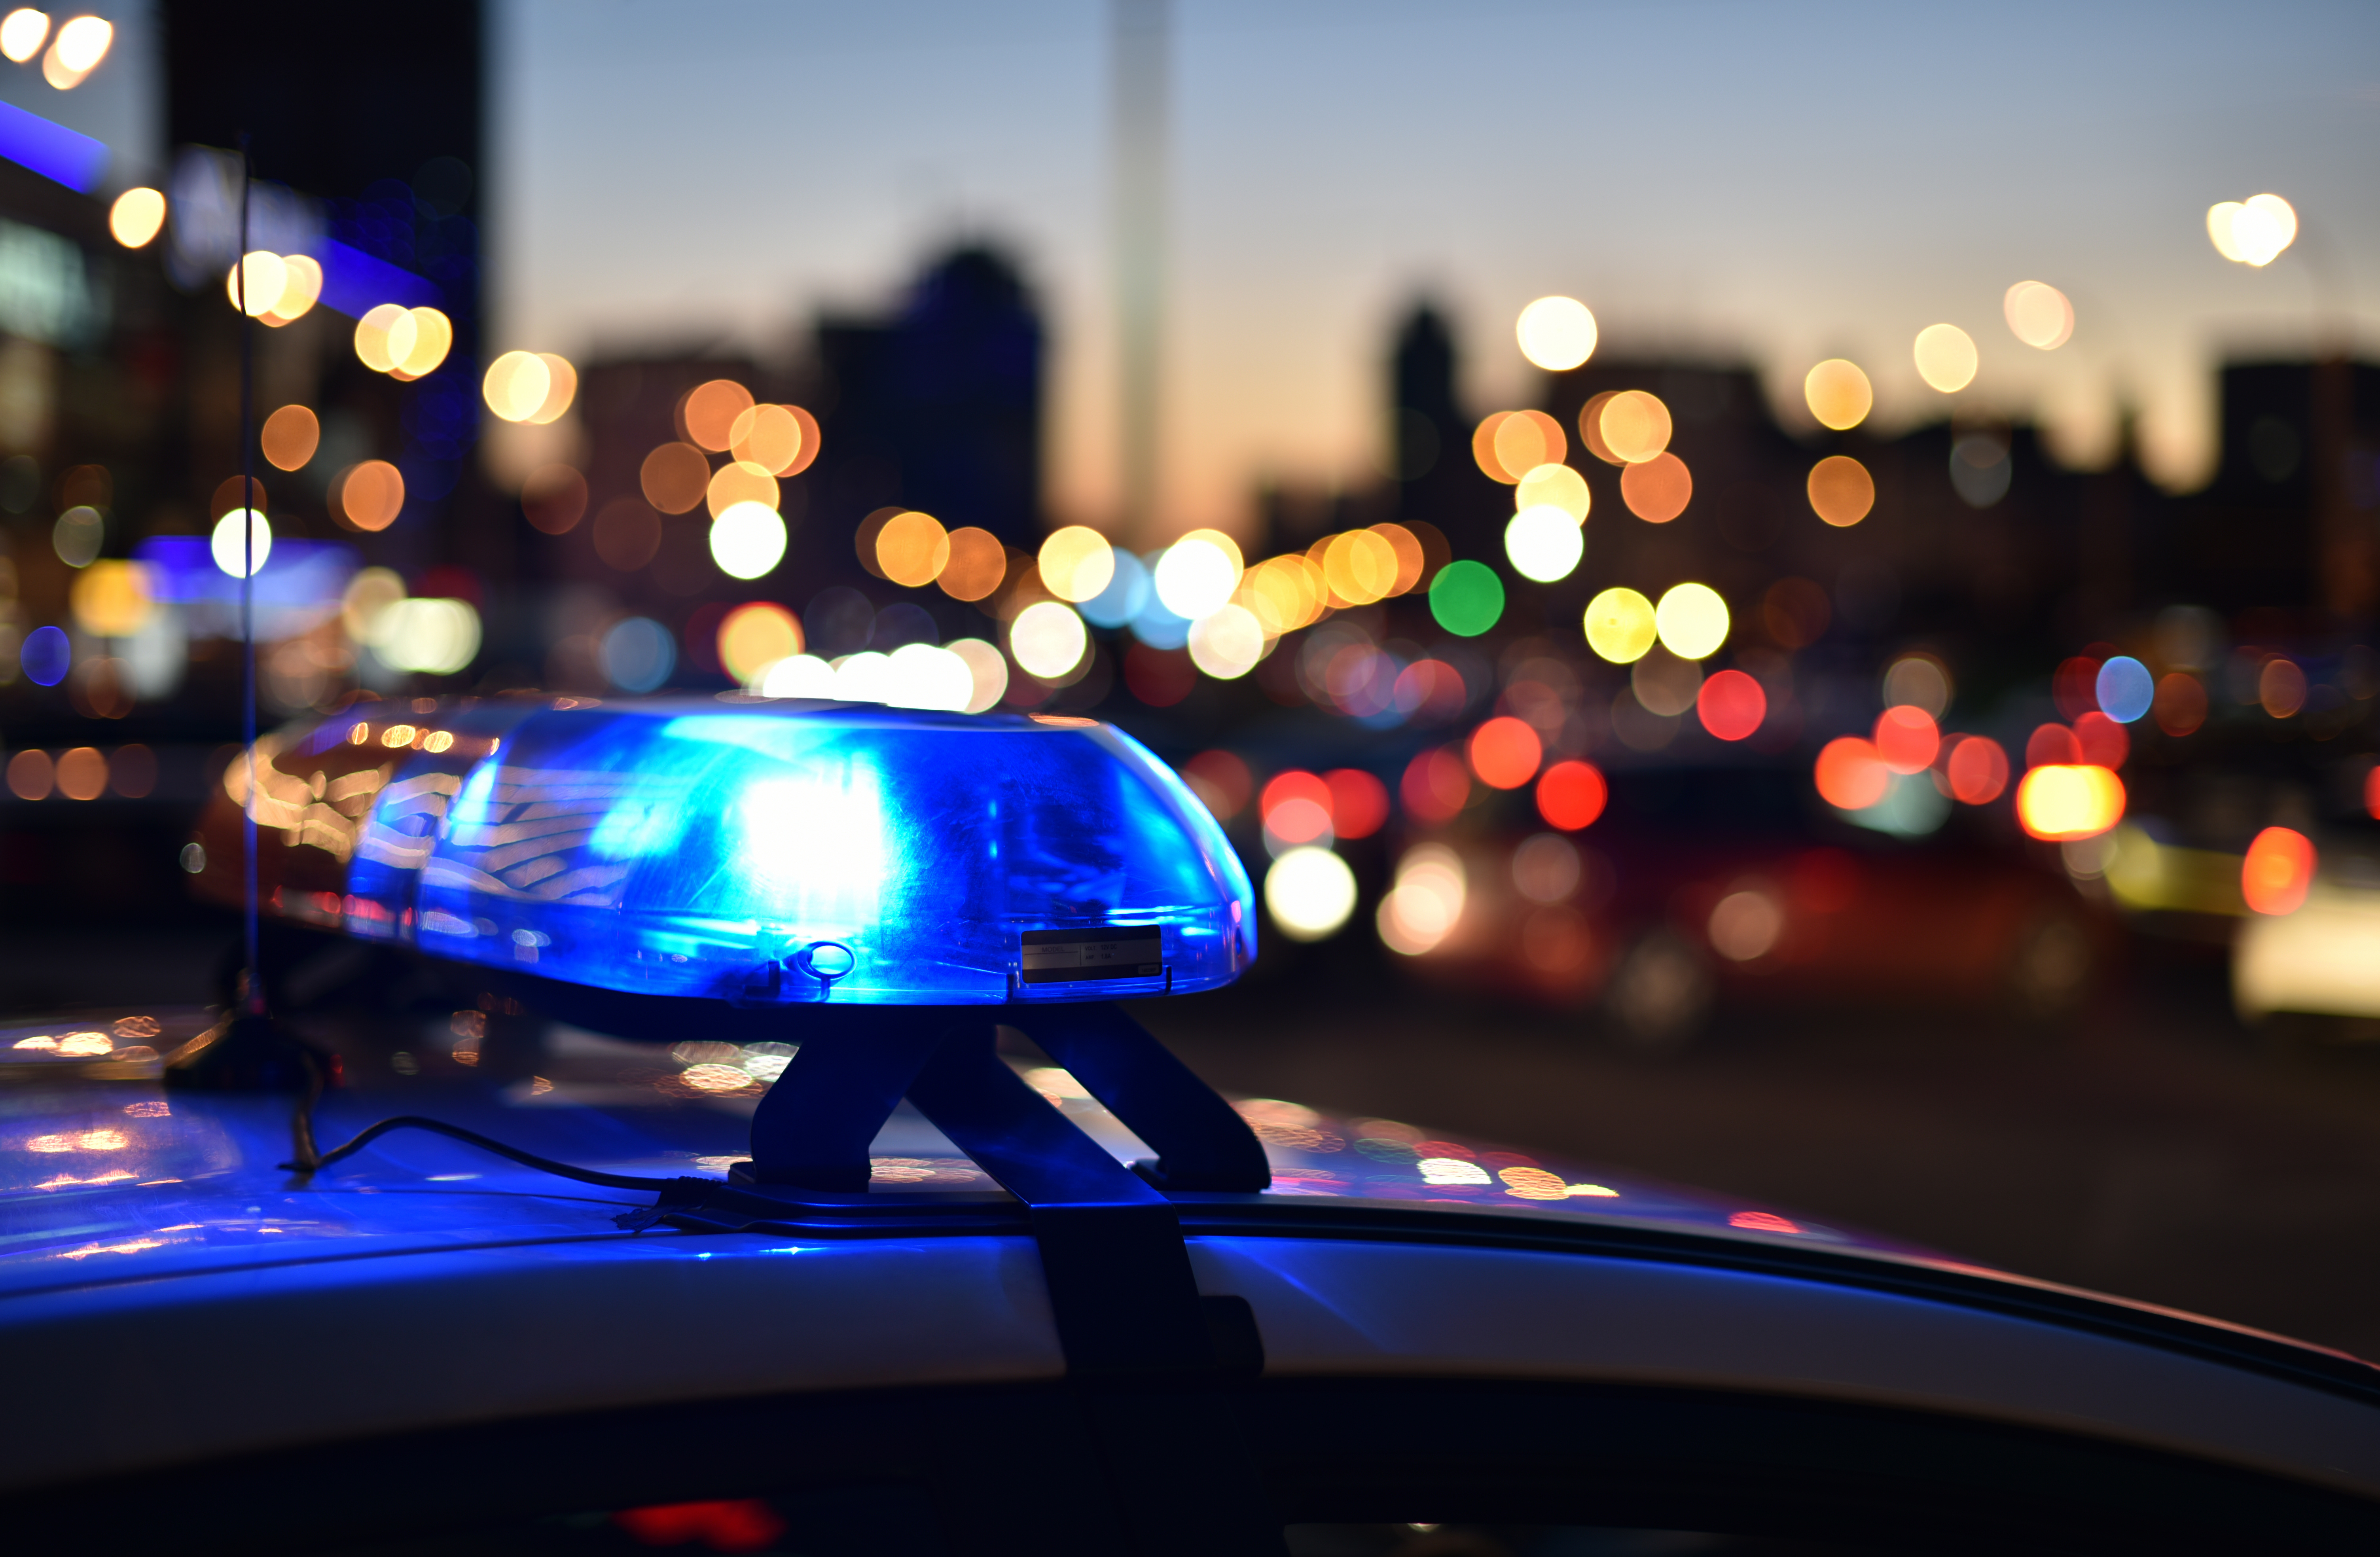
(1466, 598)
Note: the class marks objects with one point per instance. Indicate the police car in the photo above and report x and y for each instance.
(792, 1180)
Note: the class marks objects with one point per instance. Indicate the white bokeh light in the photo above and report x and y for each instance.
(228, 547)
(1544, 542)
(1310, 894)
(1227, 642)
(1047, 640)
(747, 539)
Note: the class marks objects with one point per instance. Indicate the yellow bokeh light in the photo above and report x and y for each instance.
(562, 387)
(302, 287)
(1198, 572)
(433, 336)
(1838, 393)
(1411, 559)
(1635, 425)
(710, 410)
(1691, 621)
(1359, 566)
(255, 283)
(911, 549)
(81, 45)
(736, 482)
(754, 637)
(2038, 314)
(977, 564)
(1946, 358)
(111, 598)
(382, 336)
(1076, 562)
(138, 215)
(1525, 440)
(515, 385)
(1842, 491)
(1227, 642)
(1621, 626)
(1556, 486)
(290, 437)
(768, 436)
(22, 33)
(1556, 334)
(1282, 593)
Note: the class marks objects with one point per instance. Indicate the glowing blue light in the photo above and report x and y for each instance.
(46, 656)
(57, 153)
(638, 654)
(2126, 690)
(790, 852)
(1153, 624)
(1126, 595)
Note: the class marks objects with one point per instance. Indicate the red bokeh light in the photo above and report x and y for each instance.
(1294, 784)
(1732, 705)
(2371, 793)
(1850, 775)
(1430, 689)
(1359, 803)
(2102, 741)
(1978, 770)
(1907, 738)
(1436, 785)
(2052, 746)
(2277, 871)
(746, 1525)
(1221, 781)
(1505, 752)
(2180, 704)
(1571, 794)
(2075, 688)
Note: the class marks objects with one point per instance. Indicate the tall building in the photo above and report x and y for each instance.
(1437, 480)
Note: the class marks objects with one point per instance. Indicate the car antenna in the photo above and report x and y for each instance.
(247, 1051)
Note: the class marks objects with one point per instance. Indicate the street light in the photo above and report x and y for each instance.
(2252, 232)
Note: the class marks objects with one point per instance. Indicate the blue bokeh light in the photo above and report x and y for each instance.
(46, 656)
(2126, 688)
(689, 846)
(1126, 594)
(638, 654)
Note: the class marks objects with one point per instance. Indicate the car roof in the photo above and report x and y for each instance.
(454, 1287)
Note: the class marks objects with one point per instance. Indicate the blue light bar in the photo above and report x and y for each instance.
(354, 283)
(55, 152)
(792, 852)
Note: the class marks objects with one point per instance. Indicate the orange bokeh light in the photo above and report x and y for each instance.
(290, 437)
(709, 413)
(1850, 773)
(1730, 704)
(2277, 871)
(1436, 785)
(2063, 801)
(2052, 744)
(1483, 448)
(674, 477)
(2181, 704)
(369, 495)
(755, 636)
(2103, 742)
(1505, 752)
(1978, 770)
(1359, 803)
(1658, 489)
(1221, 781)
(1907, 738)
(1635, 426)
(1842, 491)
(977, 563)
(554, 498)
(1590, 428)
(1571, 794)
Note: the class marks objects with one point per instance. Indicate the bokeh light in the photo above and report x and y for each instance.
(1851, 775)
(431, 637)
(80, 44)
(2061, 802)
(926, 675)
(911, 549)
(755, 636)
(138, 215)
(2280, 687)
(2038, 314)
(2180, 704)
(1359, 802)
(1296, 808)
(1466, 598)
(1047, 640)
(1977, 771)
(1544, 543)
(1656, 490)
(2253, 232)
(1509, 444)
(369, 495)
(561, 389)
(289, 437)
(1197, 573)
(1436, 785)
(1076, 562)
(1842, 491)
(1635, 425)
(1732, 705)
(302, 288)
(1590, 427)
(637, 654)
(112, 598)
(22, 33)
(45, 656)
(77, 536)
(988, 669)
(709, 411)
(1360, 567)
(1221, 781)
(747, 541)
(1227, 642)
(1946, 358)
(1570, 794)
(1838, 393)
(2126, 690)
(768, 436)
(1310, 894)
(1907, 739)
(1556, 334)
(1664, 683)
(1412, 560)
(241, 542)
(432, 337)
(383, 335)
(977, 563)
(1559, 485)
(1505, 752)
(1426, 905)
(2052, 746)
(2277, 871)
(1691, 621)
(1920, 681)
(736, 482)
(1621, 626)
(515, 385)
(1483, 448)
(2101, 740)
(254, 283)
(370, 592)
(674, 477)
(554, 498)
(1745, 926)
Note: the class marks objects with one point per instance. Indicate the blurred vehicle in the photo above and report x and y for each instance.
(2309, 952)
(1700, 883)
(428, 1349)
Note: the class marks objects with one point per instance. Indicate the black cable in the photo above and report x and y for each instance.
(469, 1137)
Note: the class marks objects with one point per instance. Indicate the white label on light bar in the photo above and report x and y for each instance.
(1067, 956)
